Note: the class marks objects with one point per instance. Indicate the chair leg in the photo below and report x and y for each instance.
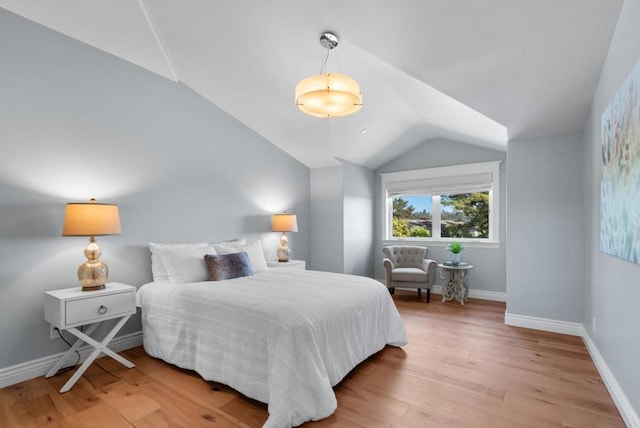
(428, 295)
(419, 293)
(392, 290)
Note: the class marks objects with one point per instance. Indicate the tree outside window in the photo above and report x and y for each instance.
(407, 222)
(464, 215)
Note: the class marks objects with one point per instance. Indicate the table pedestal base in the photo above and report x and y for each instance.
(455, 283)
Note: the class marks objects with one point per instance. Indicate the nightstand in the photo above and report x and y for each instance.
(291, 264)
(70, 308)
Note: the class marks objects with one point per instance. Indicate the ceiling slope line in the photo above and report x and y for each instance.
(152, 27)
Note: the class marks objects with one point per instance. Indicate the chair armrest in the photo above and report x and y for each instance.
(388, 267)
(429, 266)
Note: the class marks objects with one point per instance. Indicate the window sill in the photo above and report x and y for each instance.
(469, 243)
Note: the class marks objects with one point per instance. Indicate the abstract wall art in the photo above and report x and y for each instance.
(620, 180)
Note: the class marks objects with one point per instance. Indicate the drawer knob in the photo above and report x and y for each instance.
(102, 310)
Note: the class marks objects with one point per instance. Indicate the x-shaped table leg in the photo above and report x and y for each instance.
(100, 347)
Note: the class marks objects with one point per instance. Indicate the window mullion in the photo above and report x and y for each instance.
(435, 217)
(492, 226)
(389, 213)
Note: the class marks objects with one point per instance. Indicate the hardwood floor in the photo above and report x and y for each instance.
(462, 368)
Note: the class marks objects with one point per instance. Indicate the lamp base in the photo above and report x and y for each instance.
(283, 255)
(283, 250)
(93, 273)
(93, 287)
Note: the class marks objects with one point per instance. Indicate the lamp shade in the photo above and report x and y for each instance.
(91, 219)
(284, 223)
(328, 95)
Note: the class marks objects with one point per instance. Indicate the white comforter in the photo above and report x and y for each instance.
(283, 337)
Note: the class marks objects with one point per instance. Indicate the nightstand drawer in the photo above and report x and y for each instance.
(88, 310)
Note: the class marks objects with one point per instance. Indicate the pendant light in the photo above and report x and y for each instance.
(328, 95)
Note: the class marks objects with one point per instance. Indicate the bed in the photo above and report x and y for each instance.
(284, 337)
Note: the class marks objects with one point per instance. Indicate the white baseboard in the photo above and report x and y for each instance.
(39, 367)
(628, 413)
(544, 324)
(495, 296)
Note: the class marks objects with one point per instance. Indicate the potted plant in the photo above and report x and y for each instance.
(455, 248)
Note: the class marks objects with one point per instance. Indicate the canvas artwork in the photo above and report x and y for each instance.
(620, 181)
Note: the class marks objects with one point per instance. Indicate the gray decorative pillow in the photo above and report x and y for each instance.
(228, 266)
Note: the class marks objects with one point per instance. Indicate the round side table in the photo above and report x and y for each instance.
(455, 283)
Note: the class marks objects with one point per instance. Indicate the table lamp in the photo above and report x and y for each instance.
(91, 219)
(284, 223)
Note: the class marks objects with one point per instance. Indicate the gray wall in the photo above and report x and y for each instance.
(342, 219)
(612, 285)
(489, 263)
(544, 228)
(78, 123)
(327, 233)
(359, 194)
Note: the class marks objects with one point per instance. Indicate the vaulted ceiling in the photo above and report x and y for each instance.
(480, 72)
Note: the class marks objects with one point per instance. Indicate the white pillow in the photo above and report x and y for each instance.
(186, 264)
(158, 269)
(231, 243)
(253, 250)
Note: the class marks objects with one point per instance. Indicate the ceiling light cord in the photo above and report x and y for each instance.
(325, 61)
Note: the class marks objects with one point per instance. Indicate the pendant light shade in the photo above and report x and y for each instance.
(328, 95)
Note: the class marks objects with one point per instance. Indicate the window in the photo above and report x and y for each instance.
(451, 203)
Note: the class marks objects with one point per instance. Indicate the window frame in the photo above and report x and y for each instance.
(386, 205)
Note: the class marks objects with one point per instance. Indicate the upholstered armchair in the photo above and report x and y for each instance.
(408, 267)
